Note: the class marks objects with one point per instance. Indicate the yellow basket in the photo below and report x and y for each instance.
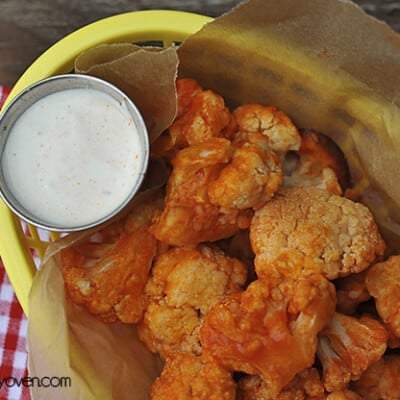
(18, 244)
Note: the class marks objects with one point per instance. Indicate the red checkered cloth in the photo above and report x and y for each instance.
(3, 94)
(13, 355)
(13, 324)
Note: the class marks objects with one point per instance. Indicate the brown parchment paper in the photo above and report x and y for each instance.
(325, 63)
(135, 69)
(329, 66)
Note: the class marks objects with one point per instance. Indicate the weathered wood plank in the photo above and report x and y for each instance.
(28, 27)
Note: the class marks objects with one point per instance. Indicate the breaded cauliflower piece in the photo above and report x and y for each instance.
(186, 89)
(308, 230)
(381, 380)
(347, 346)
(202, 115)
(306, 385)
(269, 121)
(189, 217)
(351, 291)
(107, 272)
(383, 283)
(320, 163)
(249, 181)
(252, 177)
(206, 117)
(185, 284)
(189, 377)
(270, 329)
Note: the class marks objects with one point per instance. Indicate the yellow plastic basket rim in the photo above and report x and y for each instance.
(148, 25)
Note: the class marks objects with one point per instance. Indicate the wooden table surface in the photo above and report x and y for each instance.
(28, 27)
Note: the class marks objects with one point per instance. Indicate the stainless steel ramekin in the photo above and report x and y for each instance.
(41, 89)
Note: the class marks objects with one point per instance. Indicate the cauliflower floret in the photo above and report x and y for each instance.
(202, 115)
(308, 230)
(319, 163)
(383, 283)
(189, 217)
(213, 189)
(185, 284)
(269, 121)
(351, 291)
(166, 329)
(306, 385)
(189, 377)
(347, 347)
(206, 117)
(381, 380)
(107, 272)
(270, 329)
(251, 178)
(186, 89)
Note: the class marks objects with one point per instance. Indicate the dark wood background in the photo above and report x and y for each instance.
(28, 27)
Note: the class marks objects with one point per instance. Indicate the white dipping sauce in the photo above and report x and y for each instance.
(73, 157)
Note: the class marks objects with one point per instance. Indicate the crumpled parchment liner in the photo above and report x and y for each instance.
(330, 67)
(65, 341)
(103, 361)
(325, 63)
(144, 75)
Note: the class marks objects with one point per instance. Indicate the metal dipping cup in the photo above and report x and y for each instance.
(44, 88)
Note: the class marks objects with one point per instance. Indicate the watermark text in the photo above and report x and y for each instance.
(36, 381)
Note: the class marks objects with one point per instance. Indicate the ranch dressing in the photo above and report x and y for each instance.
(73, 157)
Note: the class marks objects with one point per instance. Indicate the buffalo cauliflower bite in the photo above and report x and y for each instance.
(185, 284)
(189, 217)
(381, 380)
(202, 115)
(383, 283)
(306, 385)
(275, 125)
(189, 377)
(213, 189)
(186, 91)
(270, 329)
(347, 347)
(206, 117)
(308, 230)
(107, 272)
(251, 178)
